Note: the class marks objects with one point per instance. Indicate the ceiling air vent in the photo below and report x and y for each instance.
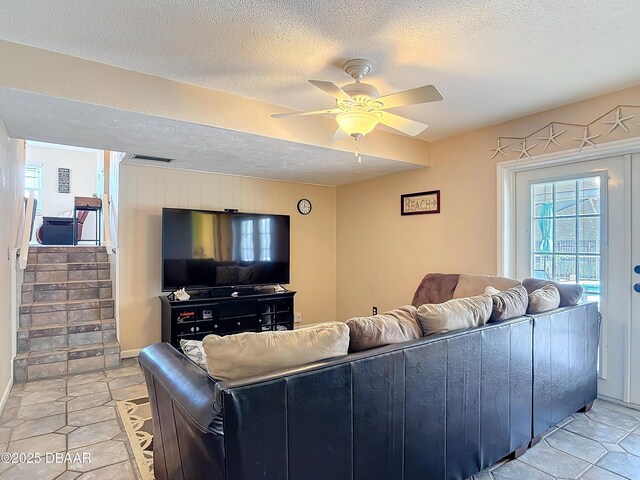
(137, 156)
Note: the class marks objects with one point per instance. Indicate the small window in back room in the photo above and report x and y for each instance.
(33, 183)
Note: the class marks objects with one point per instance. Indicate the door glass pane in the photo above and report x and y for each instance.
(565, 237)
(565, 233)
(543, 267)
(589, 234)
(565, 269)
(565, 198)
(589, 196)
(542, 200)
(589, 274)
(542, 235)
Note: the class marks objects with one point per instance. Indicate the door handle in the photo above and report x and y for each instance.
(637, 269)
(636, 287)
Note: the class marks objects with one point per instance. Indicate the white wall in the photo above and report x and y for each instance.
(84, 169)
(11, 200)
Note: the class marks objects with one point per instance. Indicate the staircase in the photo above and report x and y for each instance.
(66, 315)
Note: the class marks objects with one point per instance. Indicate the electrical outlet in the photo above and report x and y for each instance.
(298, 317)
(374, 311)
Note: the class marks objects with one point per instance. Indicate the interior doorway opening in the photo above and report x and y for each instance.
(61, 177)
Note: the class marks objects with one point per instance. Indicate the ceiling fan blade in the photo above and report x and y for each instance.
(299, 114)
(332, 89)
(401, 124)
(425, 94)
(338, 135)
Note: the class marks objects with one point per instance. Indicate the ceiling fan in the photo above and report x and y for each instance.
(360, 108)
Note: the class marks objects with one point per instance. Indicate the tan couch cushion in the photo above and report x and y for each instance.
(435, 288)
(455, 314)
(470, 284)
(248, 354)
(511, 303)
(396, 326)
(544, 299)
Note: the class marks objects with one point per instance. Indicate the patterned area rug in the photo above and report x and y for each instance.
(136, 417)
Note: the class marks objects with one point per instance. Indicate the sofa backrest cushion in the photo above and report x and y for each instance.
(544, 299)
(470, 284)
(570, 293)
(435, 288)
(249, 354)
(396, 326)
(509, 304)
(455, 314)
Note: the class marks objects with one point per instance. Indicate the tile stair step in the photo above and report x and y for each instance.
(78, 326)
(69, 281)
(53, 337)
(67, 302)
(36, 257)
(68, 360)
(63, 284)
(91, 349)
(67, 248)
(103, 307)
(66, 272)
(47, 297)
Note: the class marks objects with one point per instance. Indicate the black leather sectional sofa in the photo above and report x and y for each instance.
(441, 407)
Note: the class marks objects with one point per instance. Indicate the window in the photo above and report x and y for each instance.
(246, 241)
(265, 239)
(565, 233)
(33, 183)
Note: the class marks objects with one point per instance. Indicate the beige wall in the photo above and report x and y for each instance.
(145, 190)
(382, 256)
(11, 196)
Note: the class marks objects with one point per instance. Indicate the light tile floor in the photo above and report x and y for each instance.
(602, 444)
(73, 414)
(76, 414)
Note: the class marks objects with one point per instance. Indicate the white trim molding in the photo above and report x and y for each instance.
(7, 391)
(130, 353)
(505, 183)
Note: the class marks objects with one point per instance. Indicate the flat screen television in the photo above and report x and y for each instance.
(203, 249)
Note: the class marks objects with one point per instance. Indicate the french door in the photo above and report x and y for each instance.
(574, 224)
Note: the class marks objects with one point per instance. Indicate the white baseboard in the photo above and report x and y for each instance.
(619, 402)
(130, 353)
(5, 395)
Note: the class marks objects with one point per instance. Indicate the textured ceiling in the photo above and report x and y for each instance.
(492, 59)
(193, 146)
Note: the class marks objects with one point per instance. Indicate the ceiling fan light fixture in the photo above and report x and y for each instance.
(358, 123)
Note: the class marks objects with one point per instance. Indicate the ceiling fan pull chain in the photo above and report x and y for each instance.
(357, 155)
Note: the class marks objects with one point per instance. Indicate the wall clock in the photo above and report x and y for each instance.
(304, 206)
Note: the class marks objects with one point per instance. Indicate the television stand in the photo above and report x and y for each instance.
(222, 314)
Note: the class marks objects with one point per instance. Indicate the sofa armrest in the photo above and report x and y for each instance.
(188, 432)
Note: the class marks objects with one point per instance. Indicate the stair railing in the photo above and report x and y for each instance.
(27, 228)
(106, 221)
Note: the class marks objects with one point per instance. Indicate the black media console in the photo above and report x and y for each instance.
(197, 317)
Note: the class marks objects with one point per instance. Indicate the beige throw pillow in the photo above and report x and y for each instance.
(471, 284)
(544, 299)
(511, 303)
(396, 326)
(249, 354)
(455, 314)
